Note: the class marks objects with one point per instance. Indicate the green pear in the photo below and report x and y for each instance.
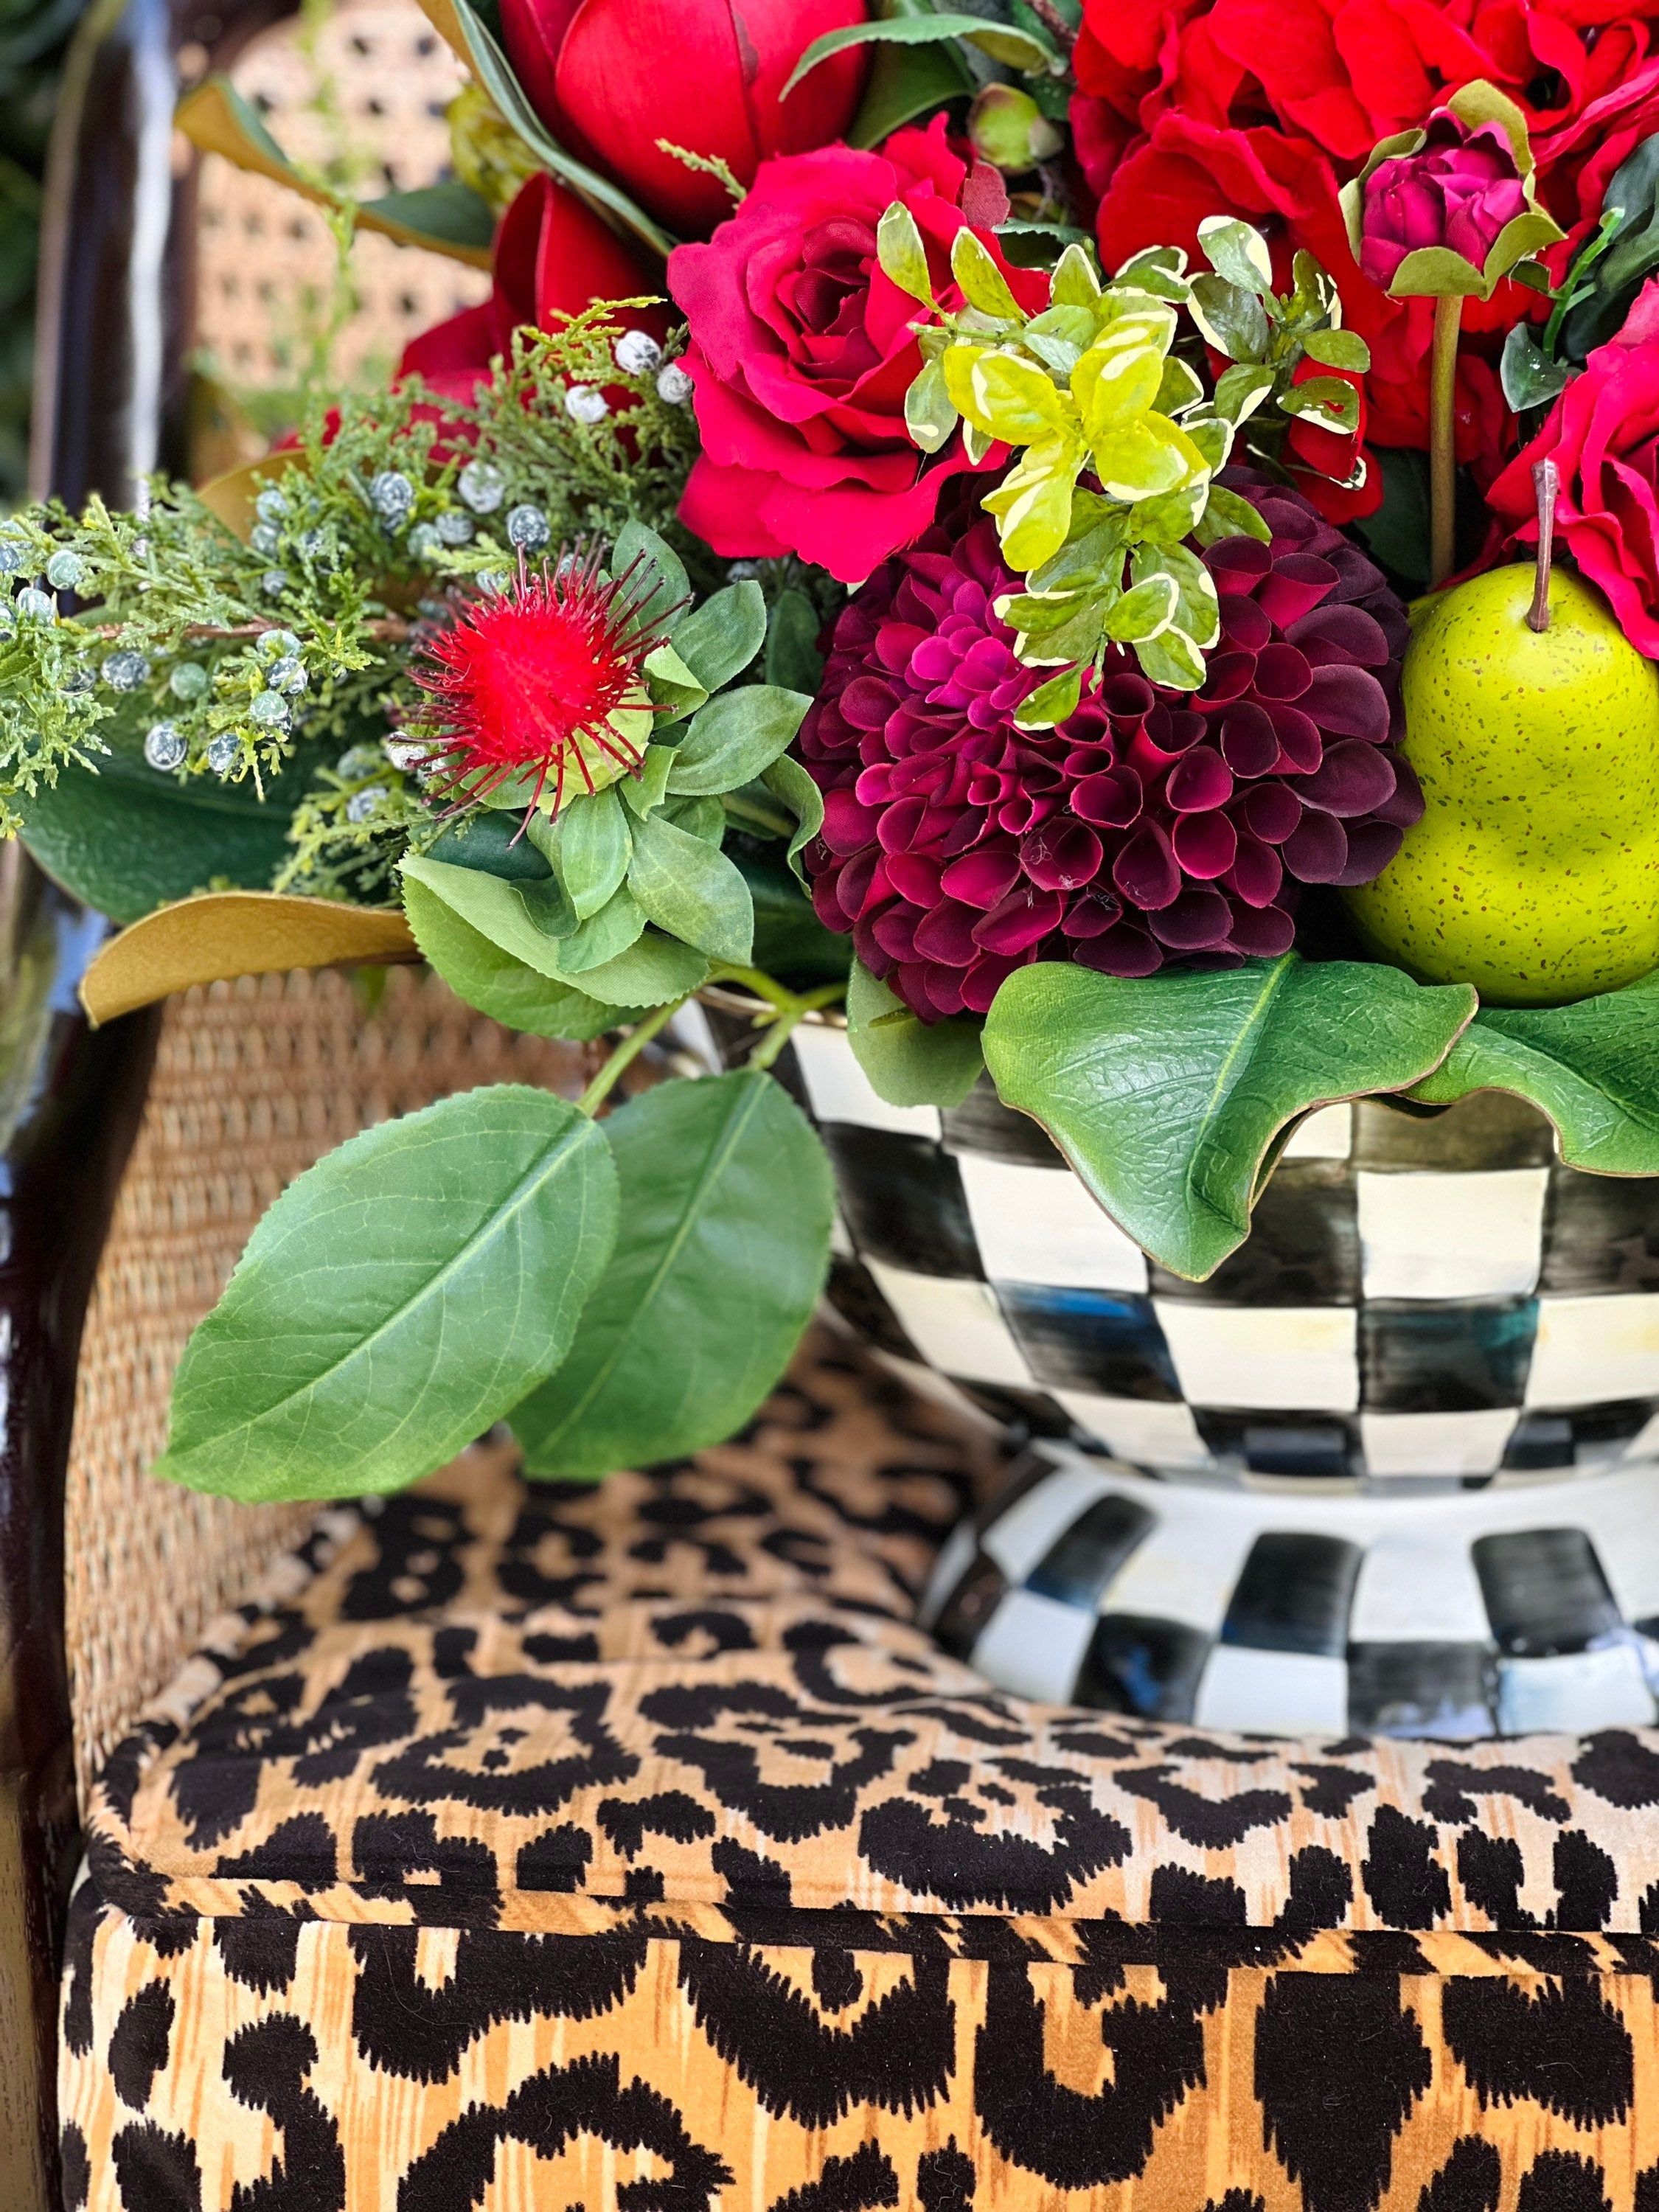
(1533, 873)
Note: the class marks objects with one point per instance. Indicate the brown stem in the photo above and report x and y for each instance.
(1052, 21)
(1545, 482)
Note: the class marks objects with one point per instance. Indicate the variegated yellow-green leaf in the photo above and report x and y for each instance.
(1033, 503)
(983, 284)
(903, 256)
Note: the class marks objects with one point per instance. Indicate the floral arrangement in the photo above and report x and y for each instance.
(1115, 549)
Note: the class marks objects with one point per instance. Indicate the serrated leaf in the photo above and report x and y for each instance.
(1593, 1067)
(909, 1062)
(1166, 1094)
(1337, 350)
(903, 256)
(718, 640)
(726, 1204)
(506, 989)
(691, 889)
(735, 737)
(397, 1299)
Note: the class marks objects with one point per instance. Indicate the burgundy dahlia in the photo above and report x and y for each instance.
(1151, 825)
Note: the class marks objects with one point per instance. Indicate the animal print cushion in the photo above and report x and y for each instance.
(630, 1848)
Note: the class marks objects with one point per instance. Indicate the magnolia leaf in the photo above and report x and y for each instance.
(909, 1062)
(735, 737)
(591, 850)
(903, 256)
(983, 284)
(448, 218)
(1237, 252)
(506, 989)
(691, 889)
(1337, 350)
(397, 1299)
(722, 1246)
(223, 934)
(1020, 49)
(786, 780)
(718, 640)
(1167, 1094)
(1592, 1067)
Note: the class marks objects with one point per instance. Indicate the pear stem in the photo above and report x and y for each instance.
(1443, 438)
(1545, 482)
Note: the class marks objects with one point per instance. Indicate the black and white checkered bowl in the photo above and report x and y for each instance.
(1398, 1451)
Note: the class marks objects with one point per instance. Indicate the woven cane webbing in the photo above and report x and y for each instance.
(253, 1081)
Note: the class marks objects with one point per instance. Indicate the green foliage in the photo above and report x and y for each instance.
(1095, 383)
(910, 1062)
(1592, 1067)
(505, 988)
(1168, 1094)
(401, 1296)
(720, 1254)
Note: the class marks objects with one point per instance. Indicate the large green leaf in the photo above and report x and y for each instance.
(1167, 1093)
(722, 637)
(404, 1293)
(496, 983)
(128, 840)
(910, 1062)
(1592, 1067)
(720, 1256)
(735, 738)
(1003, 42)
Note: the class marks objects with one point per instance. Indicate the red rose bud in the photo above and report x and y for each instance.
(613, 77)
(1460, 189)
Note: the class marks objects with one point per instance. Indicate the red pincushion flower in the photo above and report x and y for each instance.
(1152, 824)
(546, 676)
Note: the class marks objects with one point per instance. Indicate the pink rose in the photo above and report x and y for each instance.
(801, 354)
(1604, 435)
(1459, 190)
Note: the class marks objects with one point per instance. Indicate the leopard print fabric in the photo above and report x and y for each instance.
(630, 1847)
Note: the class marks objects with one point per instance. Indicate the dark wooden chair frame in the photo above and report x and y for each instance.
(111, 384)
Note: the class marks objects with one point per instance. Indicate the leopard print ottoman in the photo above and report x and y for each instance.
(631, 1848)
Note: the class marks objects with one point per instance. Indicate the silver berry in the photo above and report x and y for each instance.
(188, 680)
(279, 645)
(527, 527)
(582, 404)
(270, 710)
(673, 385)
(406, 754)
(164, 745)
(362, 803)
(13, 556)
(425, 543)
(125, 671)
(265, 538)
(483, 486)
(224, 751)
(391, 495)
(39, 605)
(637, 352)
(65, 570)
(270, 506)
(455, 529)
(274, 583)
(288, 675)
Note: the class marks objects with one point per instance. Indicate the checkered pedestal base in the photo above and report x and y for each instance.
(1390, 1469)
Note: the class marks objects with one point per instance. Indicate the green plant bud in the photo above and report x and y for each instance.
(1010, 131)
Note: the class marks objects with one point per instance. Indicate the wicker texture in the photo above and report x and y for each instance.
(252, 1083)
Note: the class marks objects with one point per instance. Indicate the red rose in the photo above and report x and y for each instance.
(611, 78)
(802, 352)
(1604, 435)
(553, 257)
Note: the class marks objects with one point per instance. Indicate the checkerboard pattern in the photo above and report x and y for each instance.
(1427, 1303)
(1498, 1613)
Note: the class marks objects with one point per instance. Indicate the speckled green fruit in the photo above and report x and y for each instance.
(1535, 871)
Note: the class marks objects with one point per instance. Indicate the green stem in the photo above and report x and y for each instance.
(627, 1052)
(784, 1025)
(1443, 438)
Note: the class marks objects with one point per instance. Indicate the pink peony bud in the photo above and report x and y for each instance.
(1458, 189)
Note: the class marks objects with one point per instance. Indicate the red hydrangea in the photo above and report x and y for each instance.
(1154, 824)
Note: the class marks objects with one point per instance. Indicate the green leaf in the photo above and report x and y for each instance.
(724, 1241)
(910, 1062)
(660, 581)
(1019, 49)
(790, 943)
(722, 637)
(793, 658)
(1142, 612)
(1529, 377)
(1237, 252)
(126, 840)
(1241, 389)
(1167, 1094)
(1051, 702)
(1337, 350)
(642, 792)
(653, 970)
(1397, 533)
(480, 839)
(906, 82)
(692, 890)
(1330, 399)
(735, 737)
(983, 284)
(512, 916)
(506, 989)
(594, 846)
(903, 256)
(698, 818)
(1231, 318)
(440, 218)
(403, 1294)
(930, 414)
(673, 685)
(1171, 658)
(789, 781)
(1593, 1067)
(1226, 515)
(603, 937)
